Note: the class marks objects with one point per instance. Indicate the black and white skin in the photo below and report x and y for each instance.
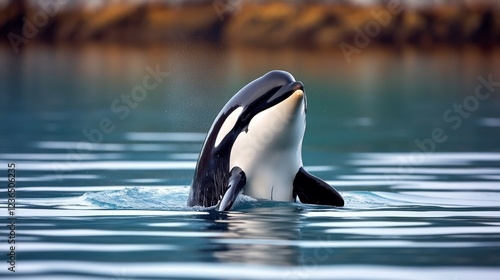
(254, 147)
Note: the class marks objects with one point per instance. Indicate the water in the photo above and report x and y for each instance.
(114, 207)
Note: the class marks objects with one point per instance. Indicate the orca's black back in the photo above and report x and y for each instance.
(211, 174)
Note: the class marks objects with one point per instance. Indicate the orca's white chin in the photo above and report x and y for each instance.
(292, 107)
(298, 93)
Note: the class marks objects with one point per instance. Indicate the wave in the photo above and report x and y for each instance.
(174, 198)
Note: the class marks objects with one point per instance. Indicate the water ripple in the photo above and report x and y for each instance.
(165, 136)
(425, 231)
(195, 270)
(64, 166)
(93, 247)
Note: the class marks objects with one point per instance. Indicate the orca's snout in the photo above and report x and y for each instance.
(293, 87)
(298, 86)
(286, 91)
(298, 93)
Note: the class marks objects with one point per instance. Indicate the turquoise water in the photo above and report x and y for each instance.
(114, 206)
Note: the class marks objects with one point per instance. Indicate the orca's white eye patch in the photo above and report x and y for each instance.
(228, 125)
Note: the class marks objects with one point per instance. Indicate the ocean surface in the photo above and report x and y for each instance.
(104, 140)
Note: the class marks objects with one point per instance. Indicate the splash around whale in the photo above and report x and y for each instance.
(254, 147)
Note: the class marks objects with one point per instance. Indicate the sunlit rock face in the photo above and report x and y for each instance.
(258, 23)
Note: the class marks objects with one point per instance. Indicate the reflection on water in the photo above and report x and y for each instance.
(255, 236)
(118, 210)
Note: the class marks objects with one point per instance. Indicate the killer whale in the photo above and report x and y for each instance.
(254, 147)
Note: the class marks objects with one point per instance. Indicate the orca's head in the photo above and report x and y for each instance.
(270, 111)
(265, 92)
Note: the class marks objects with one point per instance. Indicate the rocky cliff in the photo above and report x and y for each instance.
(321, 24)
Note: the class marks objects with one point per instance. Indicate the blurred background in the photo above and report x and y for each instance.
(379, 74)
(308, 24)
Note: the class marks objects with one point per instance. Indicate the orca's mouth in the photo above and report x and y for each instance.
(271, 98)
(285, 91)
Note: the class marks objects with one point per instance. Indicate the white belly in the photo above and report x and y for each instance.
(272, 179)
(270, 152)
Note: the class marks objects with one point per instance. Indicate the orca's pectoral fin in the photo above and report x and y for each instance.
(313, 190)
(237, 180)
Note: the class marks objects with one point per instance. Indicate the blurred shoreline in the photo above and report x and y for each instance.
(270, 24)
